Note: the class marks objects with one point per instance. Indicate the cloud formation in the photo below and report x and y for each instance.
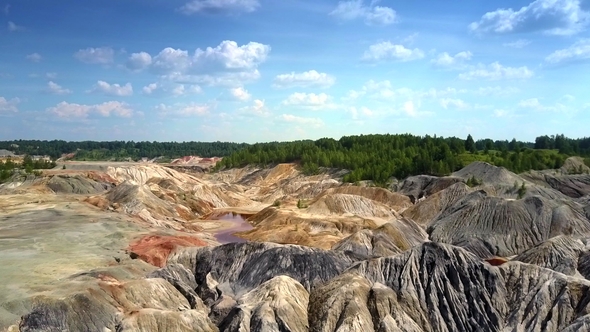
(34, 57)
(387, 51)
(67, 110)
(226, 64)
(57, 89)
(139, 61)
(554, 17)
(113, 89)
(312, 101)
(9, 106)
(496, 71)
(12, 27)
(197, 6)
(184, 110)
(312, 122)
(304, 79)
(240, 93)
(580, 50)
(371, 14)
(100, 55)
(446, 60)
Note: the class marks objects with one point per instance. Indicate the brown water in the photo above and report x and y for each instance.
(239, 224)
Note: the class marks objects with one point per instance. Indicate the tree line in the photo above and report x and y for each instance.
(380, 157)
(121, 150)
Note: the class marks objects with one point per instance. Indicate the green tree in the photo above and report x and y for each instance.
(470, 144)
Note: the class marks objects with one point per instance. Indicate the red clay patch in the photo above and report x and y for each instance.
(155, 249)
(496, 261)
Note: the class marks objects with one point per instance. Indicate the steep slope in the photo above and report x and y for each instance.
(507, 227)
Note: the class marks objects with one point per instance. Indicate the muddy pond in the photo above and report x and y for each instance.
(238, 223)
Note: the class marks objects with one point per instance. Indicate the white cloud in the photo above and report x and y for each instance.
(518, 44)
(446, 60)
(371, 14)
(184, 110)
(12, 27)
(500, 113)
(196, 6)
(496, 91)
(57, 89)
(578, 51)
(555, 17)
(389, 51)
(113, 89)
(258, 109)
(67, 110)
(34, 57)
(100, 55)
(310, 100)
(364, 111)
(240, 93)
(410, 109)
(51, 75)
(9, 106)
(150, 88)
(139, 61)
(304, 79)
(225, 64)
(495, 71)
(535, 104)
(447, 103)
(313, 122)
(175, 90)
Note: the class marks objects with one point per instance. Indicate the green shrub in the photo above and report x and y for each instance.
(277, 203)
(521, 191)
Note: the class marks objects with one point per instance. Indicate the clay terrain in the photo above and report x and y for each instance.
(144, 247)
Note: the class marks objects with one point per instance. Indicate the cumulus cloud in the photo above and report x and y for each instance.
(139, 61)
(184, 110)
(176, 90)
(304, 79)
(12, 27)
(495, 71)
(446, 60)
(371, 14)
(57, 89)
(310, 100)
(9, 106)
(113, 89)
(100, 55)
(258, 108)
(240, 93)
(578, 51)
(226, 64)
(448, 103)
(312, 122)
(518, 43)
(555, 17)
(361, 111)
(34, 57)
(197, 6)
(79, 111)
(388, 51)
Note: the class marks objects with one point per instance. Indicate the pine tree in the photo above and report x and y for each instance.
(470, 144)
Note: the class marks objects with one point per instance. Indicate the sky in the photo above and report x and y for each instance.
(269, 70)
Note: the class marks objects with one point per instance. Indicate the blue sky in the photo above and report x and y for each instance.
(265, 70)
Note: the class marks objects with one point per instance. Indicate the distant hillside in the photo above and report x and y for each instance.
(379, 157)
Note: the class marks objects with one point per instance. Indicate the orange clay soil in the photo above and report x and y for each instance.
(155, 249)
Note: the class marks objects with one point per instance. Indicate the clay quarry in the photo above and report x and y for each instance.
(144, 247)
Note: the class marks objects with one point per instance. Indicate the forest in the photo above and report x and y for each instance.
(380, 157)
(30, 166)
(121, 150)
